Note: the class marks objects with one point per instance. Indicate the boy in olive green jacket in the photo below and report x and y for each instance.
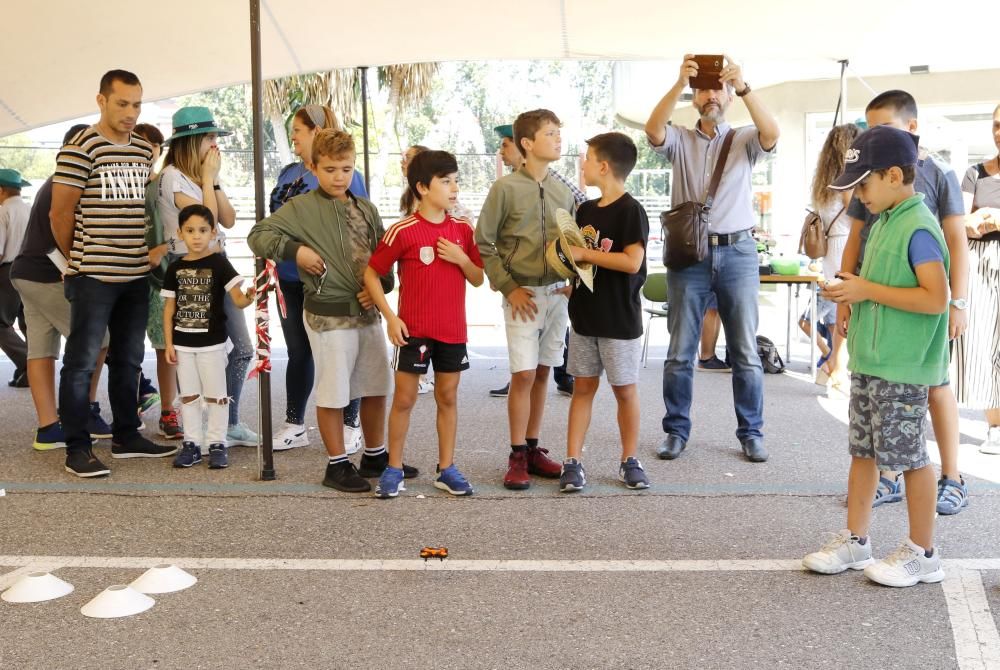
(517, 221)
(330, 233)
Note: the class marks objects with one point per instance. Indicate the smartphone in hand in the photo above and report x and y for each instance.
(709, 70)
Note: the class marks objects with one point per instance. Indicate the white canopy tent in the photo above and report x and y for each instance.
(54, 52)
(186, 46)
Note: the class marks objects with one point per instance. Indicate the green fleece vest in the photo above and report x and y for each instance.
(890, 343)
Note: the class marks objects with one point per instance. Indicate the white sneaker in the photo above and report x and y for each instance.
(294, 435)
(425, 386)
(841, 552)
(352, 440)
(992, 443)
(906, 566)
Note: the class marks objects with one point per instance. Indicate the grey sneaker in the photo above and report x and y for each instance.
(906, 566)
(572, 477)
(842, 551)
(631, 473)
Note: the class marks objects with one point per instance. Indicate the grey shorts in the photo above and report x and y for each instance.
(350, 363)
(589, 356)
(887, 423)
(46, 315)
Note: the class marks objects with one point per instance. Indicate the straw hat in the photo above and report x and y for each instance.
(558, 256)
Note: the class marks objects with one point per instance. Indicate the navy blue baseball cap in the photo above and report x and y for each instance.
(877, 148)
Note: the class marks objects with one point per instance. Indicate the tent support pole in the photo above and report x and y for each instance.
(264, 447)
(843, 91)
(364, 125)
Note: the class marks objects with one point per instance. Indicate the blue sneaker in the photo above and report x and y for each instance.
(952, 496)
(572, 478)
(50, 438)
(240, 436)
(630, 472)
(390, 483)
(888, 491)
(189, 455)
(453, 481)
(218, 456)
(96, 426)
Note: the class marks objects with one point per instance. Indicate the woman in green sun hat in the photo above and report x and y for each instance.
(191, 176)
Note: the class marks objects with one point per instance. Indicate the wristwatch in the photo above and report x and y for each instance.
(959, 303)
(746, 89)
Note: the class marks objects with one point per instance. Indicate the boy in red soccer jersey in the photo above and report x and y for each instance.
(436, 255)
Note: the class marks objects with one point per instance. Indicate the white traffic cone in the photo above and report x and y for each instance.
(163, 578)
(36, 587)
(117, 601)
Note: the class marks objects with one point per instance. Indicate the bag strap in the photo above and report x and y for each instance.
(826, 233)
(720, 164)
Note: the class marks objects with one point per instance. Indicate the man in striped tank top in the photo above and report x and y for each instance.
(98, 205)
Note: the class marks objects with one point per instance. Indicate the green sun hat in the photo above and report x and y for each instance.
(505, 131)
(12, 178)
(195, 121)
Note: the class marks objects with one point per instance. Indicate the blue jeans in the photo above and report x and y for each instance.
(731, 273)
(95, 307)
(300, 373)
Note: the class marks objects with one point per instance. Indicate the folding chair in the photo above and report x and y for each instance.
(655, 291)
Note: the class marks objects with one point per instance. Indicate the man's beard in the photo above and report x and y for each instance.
(714, 113)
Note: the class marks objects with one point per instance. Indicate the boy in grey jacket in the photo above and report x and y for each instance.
(330, 233)
(517, 221)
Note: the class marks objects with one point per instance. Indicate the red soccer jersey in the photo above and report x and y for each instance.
(431, 290)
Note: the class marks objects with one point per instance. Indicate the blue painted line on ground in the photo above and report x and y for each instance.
(486, 490)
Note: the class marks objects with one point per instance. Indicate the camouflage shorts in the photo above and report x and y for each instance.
(154, 326)
(887, 423)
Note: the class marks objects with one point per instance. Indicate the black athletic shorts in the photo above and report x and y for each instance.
(419, 353)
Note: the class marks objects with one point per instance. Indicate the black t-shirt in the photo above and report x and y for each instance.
(614, 308)
(200, 287)
(32, 263)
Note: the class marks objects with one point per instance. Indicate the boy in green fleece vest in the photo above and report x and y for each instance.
(330, 233)
(517, 221)
(898, 343)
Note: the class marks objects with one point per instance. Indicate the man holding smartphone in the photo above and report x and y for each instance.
(730, 269)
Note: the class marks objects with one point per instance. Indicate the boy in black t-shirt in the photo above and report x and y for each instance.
(194, 329)
(607, 321)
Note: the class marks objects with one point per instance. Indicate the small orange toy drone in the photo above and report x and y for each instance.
(434, 552)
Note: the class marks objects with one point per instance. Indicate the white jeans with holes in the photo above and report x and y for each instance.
(202, 373)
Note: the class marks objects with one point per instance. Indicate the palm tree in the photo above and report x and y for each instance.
(340, 90)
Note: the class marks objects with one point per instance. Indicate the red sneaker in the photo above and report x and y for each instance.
(541, 465)
(169, 426)
(517, 471)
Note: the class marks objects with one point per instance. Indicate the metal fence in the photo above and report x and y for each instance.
(476, 173)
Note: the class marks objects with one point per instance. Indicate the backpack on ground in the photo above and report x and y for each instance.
(769, 356)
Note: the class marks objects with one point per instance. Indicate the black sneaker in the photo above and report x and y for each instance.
(500, 392)
(565, 386)
(344, 476)
(140, 447)
(85, 464)
(19, 380)
(218, 456)
(372, 466)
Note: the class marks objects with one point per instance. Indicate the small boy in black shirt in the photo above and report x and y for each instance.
(607, 321)
(194, 329)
